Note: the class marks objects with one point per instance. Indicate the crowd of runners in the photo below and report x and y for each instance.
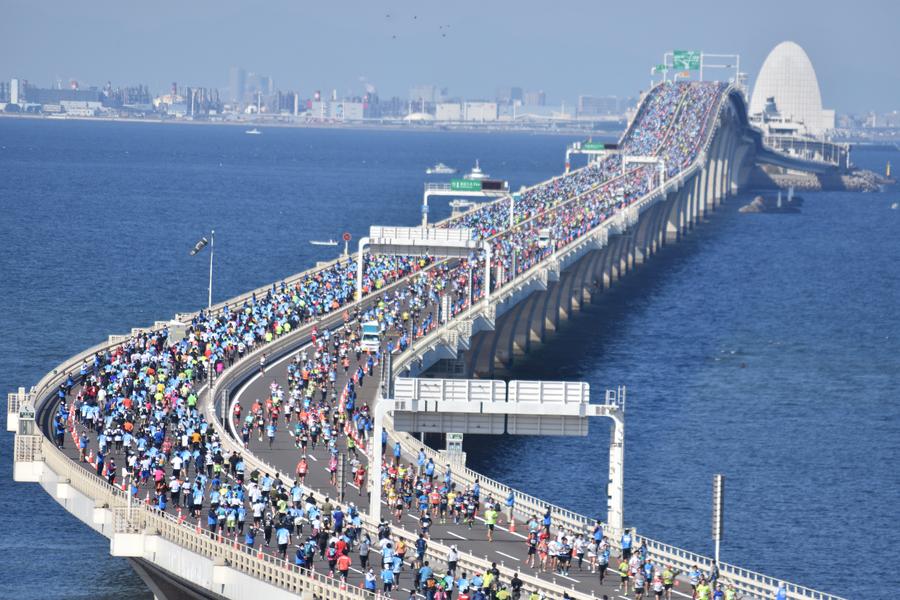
(133, 411)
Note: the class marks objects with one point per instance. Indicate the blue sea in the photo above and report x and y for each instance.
(764, 347)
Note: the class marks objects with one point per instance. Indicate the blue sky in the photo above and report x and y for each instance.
(471, 47)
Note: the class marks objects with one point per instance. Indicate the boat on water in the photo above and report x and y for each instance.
(253, 131)
(440, 169)
(323, 242)
(476, 174)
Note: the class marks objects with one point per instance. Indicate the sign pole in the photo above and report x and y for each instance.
(718, 505)
(212, 248)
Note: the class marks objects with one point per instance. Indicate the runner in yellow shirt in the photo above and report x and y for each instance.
(490, 518)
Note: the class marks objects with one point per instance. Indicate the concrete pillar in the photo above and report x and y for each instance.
(595, 274)
(709, 192)
(640, 236)
(696, 193)
(564, 298)
(551, 307)
(616, 487)
(674, 216)
(586, 278)
(521, 342)
(480, 359)
(622, 258)
(606, 266)
(502, 343)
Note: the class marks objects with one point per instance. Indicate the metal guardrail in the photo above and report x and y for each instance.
(140, 518)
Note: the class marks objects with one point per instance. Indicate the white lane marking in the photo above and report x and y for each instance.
(508, 556)
(456, 535)
(502, 529)
(312, 456)
(565, 577)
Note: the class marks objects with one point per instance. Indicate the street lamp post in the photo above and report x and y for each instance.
(198, 247)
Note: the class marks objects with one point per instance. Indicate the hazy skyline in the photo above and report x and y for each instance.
(469, 47)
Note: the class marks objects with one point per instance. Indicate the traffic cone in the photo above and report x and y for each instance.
(198, 525)
(180, 518)
(235, 545)
(90, 456)
(260, 553)
(147, 498)
(512, 525)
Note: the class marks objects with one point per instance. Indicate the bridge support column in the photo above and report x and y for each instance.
(606, 264)
(675, 222)
(595, 273)
(641, 233)
(710, 177)
(696, 199)
(616, 486)
(504, 335)
(521, 341)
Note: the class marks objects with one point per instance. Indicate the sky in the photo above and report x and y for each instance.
(471, 47)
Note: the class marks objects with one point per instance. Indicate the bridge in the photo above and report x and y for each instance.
(203, 400)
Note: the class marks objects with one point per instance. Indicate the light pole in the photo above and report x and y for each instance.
(718, 511)
(198, 247)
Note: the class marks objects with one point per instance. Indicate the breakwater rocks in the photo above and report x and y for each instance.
(777, 204)
(859, 180)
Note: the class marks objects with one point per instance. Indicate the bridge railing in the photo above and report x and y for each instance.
(136, 517)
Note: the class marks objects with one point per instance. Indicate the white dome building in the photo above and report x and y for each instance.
(787, 77)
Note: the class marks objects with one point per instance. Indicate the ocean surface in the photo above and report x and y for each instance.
(763, 347)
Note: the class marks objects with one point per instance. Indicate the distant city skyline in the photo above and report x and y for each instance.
(579, 48)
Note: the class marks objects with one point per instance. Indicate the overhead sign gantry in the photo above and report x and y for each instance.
(593, 149)
(480, 188)
(495, 407)
(419, 241)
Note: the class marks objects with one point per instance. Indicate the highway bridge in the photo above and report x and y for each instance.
(475, 306)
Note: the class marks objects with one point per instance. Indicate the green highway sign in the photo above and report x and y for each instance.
(465, 185)
(660, 68)
(598, 146)
(687, 60)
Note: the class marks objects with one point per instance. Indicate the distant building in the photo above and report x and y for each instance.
(424, 92)
(4, 91)
(598, 105)
(81, 108)
(14, 91)
(787, 92)
(237, 85)
(57, 96)
(538, 98)
(509, 95)
(347, 111)
(448, 111)
(480, 111)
